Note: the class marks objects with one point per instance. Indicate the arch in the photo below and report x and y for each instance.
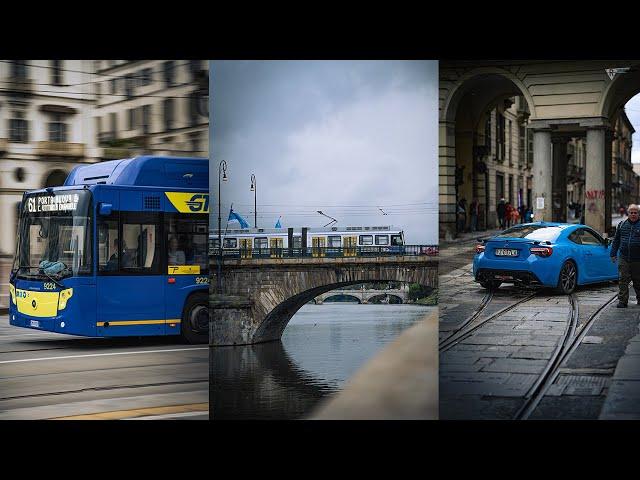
(473, 78)
(277, 319)
(55, 178)
(620, 90)
(256, 315)
(386, 295)
(338, 294)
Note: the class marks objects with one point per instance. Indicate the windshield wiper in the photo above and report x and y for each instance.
(53, 279)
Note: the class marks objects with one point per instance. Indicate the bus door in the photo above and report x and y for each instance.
(275, 246)
(129, 276)
(246, 247)
(350, 244)
(318, 245)
(187, 264)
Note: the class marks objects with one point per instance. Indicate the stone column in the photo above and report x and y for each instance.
(542, 168)
(595, 190)
(608, 154)
(559, 193)
(447, 162)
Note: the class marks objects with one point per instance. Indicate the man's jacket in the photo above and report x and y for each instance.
(627, 240)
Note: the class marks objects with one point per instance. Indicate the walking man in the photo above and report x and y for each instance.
(627, 243)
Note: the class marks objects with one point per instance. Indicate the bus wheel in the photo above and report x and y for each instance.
(195, 319)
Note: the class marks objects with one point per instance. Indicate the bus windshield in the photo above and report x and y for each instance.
(54, 237)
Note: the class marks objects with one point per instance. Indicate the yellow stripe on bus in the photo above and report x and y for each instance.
(183, 269)
(138, 322)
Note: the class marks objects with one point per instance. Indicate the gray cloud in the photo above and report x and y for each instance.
(338, 136)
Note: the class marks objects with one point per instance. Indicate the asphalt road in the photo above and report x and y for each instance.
(49, 376)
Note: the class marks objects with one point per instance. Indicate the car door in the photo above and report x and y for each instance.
(599, 264)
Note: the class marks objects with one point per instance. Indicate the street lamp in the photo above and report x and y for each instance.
(254, 189)
(222, 169)
(333, 220)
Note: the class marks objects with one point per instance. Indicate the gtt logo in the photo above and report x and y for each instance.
(198, 203)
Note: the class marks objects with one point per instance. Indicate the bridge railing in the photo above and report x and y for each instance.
(328, 252)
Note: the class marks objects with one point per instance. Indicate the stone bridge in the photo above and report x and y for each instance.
(364, 296)
(258, 297)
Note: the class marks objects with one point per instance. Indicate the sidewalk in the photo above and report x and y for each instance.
(469, 237)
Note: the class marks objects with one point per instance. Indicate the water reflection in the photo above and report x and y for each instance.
(321, 348)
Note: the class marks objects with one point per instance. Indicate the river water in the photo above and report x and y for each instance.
(321, 348)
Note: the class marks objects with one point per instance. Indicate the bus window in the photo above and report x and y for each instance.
(366, 239)
(187, 242)
(108, 245)
(261, 242)
(230, 243)
(140, 243)
(396, 240)
(382, 239)
(297, 242)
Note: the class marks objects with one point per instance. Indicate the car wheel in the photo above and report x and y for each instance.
(195, 319)
(568, 278)
(491, 284)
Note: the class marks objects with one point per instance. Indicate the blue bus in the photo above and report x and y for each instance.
(119, 250)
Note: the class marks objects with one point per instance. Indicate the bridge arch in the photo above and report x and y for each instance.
(383, 295)
(258, 303)
(338, 294)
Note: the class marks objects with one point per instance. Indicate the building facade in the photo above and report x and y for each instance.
(44, 132)
(56, 114)
(152, 107)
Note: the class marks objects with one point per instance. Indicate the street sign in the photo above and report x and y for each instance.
(613, 71)
(539, 203)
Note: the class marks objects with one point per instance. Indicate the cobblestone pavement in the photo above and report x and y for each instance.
(489, 374)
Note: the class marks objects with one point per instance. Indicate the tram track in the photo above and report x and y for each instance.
(572, 337)
(468, 327)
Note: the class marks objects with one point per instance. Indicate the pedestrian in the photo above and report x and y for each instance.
(522, 210)
(626, 249)
(501, 210)
(461, 214)
(473, 211)
(508, 211)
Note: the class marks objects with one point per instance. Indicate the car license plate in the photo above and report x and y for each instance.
(34, 323)
(506, 252)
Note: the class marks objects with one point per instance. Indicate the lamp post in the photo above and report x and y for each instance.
(254, 189)
(222, 169)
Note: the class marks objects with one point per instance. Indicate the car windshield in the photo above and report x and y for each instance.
(54, 235)
(542, 233)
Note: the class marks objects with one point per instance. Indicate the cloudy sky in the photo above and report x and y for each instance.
(633, 112)
(344, 137)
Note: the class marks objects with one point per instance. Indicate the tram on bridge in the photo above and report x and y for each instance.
(119, 250)
(314, 242)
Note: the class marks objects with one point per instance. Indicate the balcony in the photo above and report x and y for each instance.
(59, 149)
(111, 153)
(19, 85)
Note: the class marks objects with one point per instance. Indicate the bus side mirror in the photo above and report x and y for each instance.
(105, 209)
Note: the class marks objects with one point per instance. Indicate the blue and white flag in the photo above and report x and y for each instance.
(278, 225)
(236, 216)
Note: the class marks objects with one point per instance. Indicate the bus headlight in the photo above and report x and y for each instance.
(64, 296)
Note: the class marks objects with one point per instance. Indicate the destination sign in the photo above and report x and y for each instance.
(53, 203)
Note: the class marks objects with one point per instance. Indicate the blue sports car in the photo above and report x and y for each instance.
(544, 254)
